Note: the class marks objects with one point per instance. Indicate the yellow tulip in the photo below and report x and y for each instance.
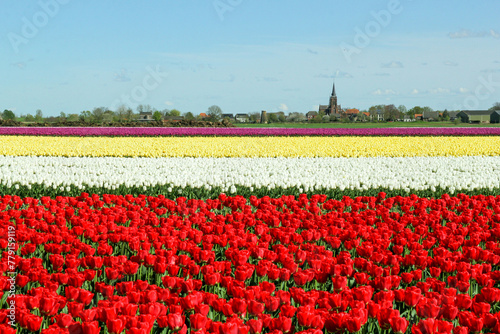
(249, 146)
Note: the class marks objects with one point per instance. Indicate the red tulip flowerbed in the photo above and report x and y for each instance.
(113, 264)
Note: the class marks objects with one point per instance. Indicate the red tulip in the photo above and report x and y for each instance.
(48, 304)
(491, 295)
(353, 324)
(198, 321)
(284, 324)
(91, 327)
(305, 318)
(481, 308)
(339, 283)
(175, 321)
(449, 312)
(428, 326)
(239, 306)
(412, 296)
(463, 302)
(428, 310)
(255, 308)
(398, 324)
(64, 320)
(115, 326)
(255, 326)
(229, 328)
(288, 311)
(272, 304)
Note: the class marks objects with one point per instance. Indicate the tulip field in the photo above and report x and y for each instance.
(153, 230)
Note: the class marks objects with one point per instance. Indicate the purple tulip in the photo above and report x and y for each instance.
(139, 131)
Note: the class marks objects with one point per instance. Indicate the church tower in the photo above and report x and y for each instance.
(333, 107)
(333, 101)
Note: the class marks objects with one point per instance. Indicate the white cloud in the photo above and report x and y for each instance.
(384, 92)
(440, 91)
(466, 33)
(20, 65)
(283, 107)
(122, 76)
(491, 70)
(393, 64)
(169, 103)
(450, 63)
(267, 79)
(337, 74)
(229, 78)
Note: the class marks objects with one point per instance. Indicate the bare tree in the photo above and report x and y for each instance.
(38, 116)
(121, 112)
(254, 117)
(130, 114)
(144, 108)
(496, 106)
(98, 114)
(215, 113)
(391, 113)
(402, 109)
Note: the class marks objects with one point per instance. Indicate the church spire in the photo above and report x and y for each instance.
(333, 90)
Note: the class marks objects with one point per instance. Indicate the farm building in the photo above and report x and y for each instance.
(495, 116)
(475, 116)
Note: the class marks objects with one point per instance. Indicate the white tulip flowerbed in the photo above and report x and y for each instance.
(230, 174)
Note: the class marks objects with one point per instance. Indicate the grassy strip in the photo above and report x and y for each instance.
(37, 191)
(368, 125)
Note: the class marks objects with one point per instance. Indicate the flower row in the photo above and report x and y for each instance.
(249, 146)
(251, 265)
(114, 131)
(228, 174)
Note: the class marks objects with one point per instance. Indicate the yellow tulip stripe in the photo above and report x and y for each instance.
(249, 146)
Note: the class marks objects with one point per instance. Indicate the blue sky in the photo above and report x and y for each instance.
(247, 55)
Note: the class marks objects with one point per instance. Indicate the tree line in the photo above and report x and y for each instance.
(105, 115)
(214, 113)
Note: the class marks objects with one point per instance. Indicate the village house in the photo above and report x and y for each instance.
(242, 118)
(145, 116)
(352, 114)
(430, 116)
(311, 114)
(453, 115)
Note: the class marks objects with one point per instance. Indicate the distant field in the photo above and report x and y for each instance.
(364, 125)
